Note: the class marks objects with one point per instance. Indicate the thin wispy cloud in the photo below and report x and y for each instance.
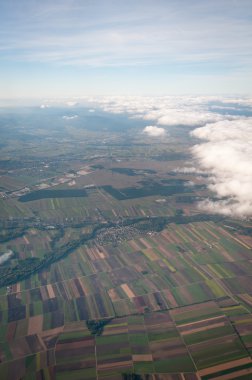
(76, 47)
(121, 33)
(72, 117)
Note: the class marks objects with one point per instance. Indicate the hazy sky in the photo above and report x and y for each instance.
(56, 48)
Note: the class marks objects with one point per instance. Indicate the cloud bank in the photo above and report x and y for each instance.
(226, 154)
(154, 131)
(164, 111)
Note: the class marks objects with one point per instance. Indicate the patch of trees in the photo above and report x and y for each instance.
(132, 172)
(186, 199)
(11, 234)
(132, 376)
(97, 166)
(96, 327)
(43, 194)
(171, 156)
(153, 189)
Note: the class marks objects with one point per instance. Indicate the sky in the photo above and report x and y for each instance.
(65, 48)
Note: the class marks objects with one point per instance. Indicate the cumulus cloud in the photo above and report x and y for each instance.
(226, 154)
(6, 256)
(70, 117)
(154, 131)
(44, 106)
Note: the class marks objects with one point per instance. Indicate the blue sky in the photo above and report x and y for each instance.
(56, 48)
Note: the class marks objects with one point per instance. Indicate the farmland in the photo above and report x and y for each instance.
(114, 272)
(159, 300)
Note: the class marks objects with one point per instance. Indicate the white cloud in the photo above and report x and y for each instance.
(44, 106)
(180, 117)
(245, 102)
(70, 117)
(189, 170)
(164, 110)
(71, 104)
(154, 131)
(6, 256)
(226, 154)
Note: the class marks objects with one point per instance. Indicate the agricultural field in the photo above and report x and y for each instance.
(168, 297)
(108, 268)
